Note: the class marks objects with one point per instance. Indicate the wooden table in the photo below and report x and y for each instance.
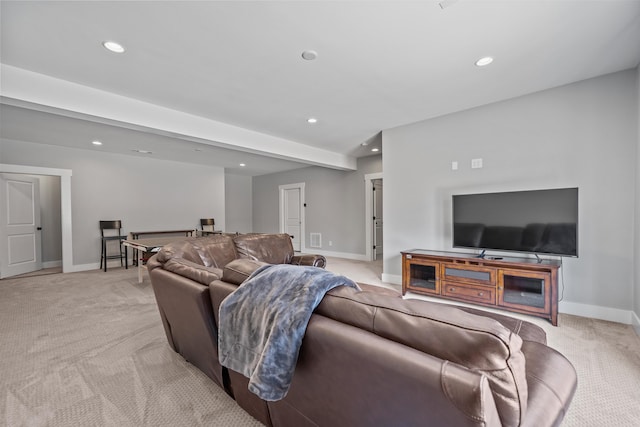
(152, 244)
(135, 235)
(208, 232)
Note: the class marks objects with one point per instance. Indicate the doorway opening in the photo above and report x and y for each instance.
(374, 224)
(292, 213)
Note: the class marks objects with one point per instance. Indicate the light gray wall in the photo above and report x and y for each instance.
(238, 203)
(583, 134)
(50, 218)
(637, 214)
(146, 194)
(335, 203)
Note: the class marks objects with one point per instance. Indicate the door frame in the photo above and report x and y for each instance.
(282, 219)
(368, 213)
(65, 205)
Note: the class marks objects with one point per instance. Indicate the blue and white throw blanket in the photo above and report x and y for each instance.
(262, 323)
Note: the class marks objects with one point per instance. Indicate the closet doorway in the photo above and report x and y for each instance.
(374, 223)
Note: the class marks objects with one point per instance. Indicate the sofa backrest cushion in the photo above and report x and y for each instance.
(478, 343)
(180, 249)
(269, 248)
(214, 251)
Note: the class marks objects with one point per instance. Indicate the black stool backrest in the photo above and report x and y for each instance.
(110, 225)
(206, 221)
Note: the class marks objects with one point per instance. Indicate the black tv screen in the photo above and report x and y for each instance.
(537, 221)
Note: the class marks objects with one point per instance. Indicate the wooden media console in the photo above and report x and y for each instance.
(523, 285)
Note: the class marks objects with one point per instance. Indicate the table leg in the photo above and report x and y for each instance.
(140, 265)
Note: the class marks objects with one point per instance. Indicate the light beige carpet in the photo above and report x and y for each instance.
(88, 349)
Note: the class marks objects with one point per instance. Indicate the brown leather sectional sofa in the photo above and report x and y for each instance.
(369, 357)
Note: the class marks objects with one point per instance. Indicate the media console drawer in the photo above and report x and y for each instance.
(472, 274)
(469, 292)
(523, 285)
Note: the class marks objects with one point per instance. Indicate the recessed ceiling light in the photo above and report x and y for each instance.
(143, 151)
(96, 142)
(309, 55)
(242, 165)
(484, 61)
(312, 120)
(113, 46)
(375, 149)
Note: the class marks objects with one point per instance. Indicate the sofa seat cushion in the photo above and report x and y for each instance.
(239, 270)
(476, 342)
(191, 270)
(269, 248)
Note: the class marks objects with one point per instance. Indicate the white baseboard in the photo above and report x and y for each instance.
(52, 264)
(93, 266)
(392, 278)
(635, 322)
(315, 251)
(595, 312)
(84, 267)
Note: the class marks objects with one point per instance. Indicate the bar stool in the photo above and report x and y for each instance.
(110, 231)
(207, 227)
(207, 222)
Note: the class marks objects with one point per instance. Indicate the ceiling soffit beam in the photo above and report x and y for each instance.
(27, 89)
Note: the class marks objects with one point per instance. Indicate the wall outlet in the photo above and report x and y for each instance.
(330, 243)
(454, 166)
(476, 163)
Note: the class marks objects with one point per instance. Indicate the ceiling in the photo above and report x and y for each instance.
(238, 65)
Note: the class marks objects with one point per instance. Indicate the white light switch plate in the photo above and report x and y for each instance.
(476, 163)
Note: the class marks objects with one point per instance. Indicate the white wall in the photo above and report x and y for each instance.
(335, 204)
(146, 194)
(238, 204)
(583, 134)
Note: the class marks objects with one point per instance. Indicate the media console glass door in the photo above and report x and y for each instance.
(424, 276)
(522, 289)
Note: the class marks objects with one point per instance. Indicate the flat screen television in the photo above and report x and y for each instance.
(535, 221)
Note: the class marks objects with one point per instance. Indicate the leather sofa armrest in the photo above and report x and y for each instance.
(153, 263)
(191, 270)
(552, 382)
(312, 260)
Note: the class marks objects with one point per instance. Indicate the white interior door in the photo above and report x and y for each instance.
(291, 213)
(377, 218)
(20, 245)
